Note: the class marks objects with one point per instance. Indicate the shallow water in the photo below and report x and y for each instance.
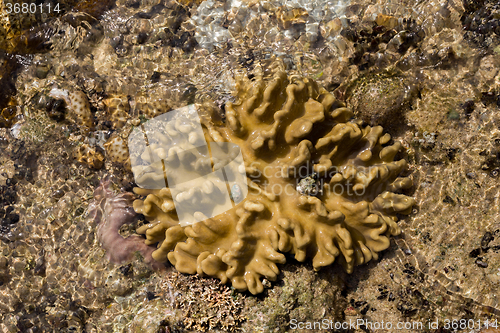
(428, 72)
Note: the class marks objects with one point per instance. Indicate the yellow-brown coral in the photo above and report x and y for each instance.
(117, 108)
(294, 137)
(93, 157)
(78, 106)
(117, 150)
(150, 108)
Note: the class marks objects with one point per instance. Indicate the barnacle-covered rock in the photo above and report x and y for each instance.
(481, 22)
(289, 129)
(9, 67)
(27, 34)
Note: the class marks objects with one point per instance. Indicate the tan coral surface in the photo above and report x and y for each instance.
(291, 132)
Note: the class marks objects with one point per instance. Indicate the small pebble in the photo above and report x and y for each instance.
(468, 107)
(481, 263)
(471, 175)
(487, 238)
(58, 194)
(150, 295)
(474, 253)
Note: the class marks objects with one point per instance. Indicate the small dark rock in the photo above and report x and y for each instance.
(40, 266)
(126, 270)
(468, 107)
(79, 211)
(12, 218)
(142, 37)
(359, 304)
(155, 77)
(471, 175)
(451, 153)
(56, 109)
(406, 309)
(447, 199)
(488, 97)
(150, 295)
(481, 263)
(383, 294)
(494, 173)
(487, 238)
(58, 194)
(474, 253)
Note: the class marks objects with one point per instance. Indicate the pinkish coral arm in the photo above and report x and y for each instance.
(111, 211)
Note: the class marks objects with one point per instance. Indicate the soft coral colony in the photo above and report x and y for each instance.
(343, 207)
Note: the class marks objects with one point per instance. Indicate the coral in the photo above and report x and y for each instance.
(117, 107)
(91, 156)
(111, 212)
(190, 301)
(288, 129)
(78, 106)
(303, 295)
(151, 108)
(117, 150)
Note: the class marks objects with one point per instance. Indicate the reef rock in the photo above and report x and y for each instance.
(381, 98)
(321, 186)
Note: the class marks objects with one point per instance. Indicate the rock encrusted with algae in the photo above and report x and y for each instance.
(288, 129)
